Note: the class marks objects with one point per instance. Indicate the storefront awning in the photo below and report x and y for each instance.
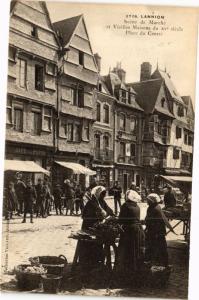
(177, 178)
(76, 168)
(24, 166)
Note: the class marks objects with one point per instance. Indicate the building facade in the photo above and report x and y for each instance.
(128, 118)
(77, 79)
(32, 92)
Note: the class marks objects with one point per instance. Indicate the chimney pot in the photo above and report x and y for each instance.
(145, 73)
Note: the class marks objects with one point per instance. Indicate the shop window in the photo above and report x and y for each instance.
(176, 153)
(122, 122)
(106, 114)
(36, 121)
(122, 149)
(39, 77)
(98, 111)
(18, 120)
(77, 132)
(70, 132)
(47, 119)
(81, 58)
(133, 150)
(178, 132)
(22, 73)
(9, 112)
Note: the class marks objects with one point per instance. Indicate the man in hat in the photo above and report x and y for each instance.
(57, 193)
(117, 191)
(30, 197)
(20, 188)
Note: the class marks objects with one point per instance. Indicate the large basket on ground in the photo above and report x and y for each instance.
(25, 280)
(51, 283)
(54, 264)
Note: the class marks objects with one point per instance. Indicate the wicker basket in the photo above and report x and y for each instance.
(51, 283)
(27, 281)
(54, 264)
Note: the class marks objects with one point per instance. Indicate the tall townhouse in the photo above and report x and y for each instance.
(103, 160)
(77, 79)
(127, 129)
(32, 96)
(167, 133)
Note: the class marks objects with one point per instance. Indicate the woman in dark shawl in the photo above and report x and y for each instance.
(156, 223)
(130, 249)
(95, 210)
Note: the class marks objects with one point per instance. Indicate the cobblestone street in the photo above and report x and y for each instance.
(50, 237)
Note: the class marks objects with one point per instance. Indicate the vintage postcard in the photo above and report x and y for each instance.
(99, 149)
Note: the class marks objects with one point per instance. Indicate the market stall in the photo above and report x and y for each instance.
(181, 213)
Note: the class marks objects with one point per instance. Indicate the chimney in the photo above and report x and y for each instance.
(98, 61)
(145, 73)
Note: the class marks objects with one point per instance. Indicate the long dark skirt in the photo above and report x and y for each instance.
(130, 249)
(156, 249)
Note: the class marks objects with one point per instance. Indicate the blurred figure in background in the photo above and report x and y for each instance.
(10, 201)
(169, 198)
(69, 197)
(116, 191)
(58, 198)
(20, 188)
(30, 197)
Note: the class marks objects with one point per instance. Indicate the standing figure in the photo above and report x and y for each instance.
(39, 191)
(69, 197)
(156, 223)
(117, 191)
(30, 197)
(130, 249)
(46, 198)
(94, 211)
(11, 201)
(78, 199)
(169, 198)
(57, 198)
(20, 188)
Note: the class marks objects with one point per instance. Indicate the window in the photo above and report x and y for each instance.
(18, 119)
(106, 114)
(132, 124)
(70, 132)
(98, 111)
(39, 77)
(122, 122)
(73, 96)
(22, 73)
(86, 129)
(9, 112)
(100, 87)
(77, 132)
(97, 141)
(131, 98)
(80, 98)
(178, 132)
(190, 140)
(81, 58)
(124, 94)
(176, 153)
(36, 121)
(122, 149)
(34, 31)
(159, 128)
(162, 102)
(180, 111)
(105, 142)
(133, 150)
(186, 138)
(47, 119)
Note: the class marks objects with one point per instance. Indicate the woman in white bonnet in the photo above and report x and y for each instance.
(130, 254)
(94, 211)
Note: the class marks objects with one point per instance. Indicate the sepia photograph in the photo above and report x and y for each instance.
(99, 142)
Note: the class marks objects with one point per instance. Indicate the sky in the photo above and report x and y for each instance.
(173, 50)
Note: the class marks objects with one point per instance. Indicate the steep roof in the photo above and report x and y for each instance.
(169, 84)
(147, 92)
(66, 28)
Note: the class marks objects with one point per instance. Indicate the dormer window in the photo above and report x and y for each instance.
(81, 58)
(180, 111)
(34, 31)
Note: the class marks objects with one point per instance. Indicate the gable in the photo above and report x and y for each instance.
(81, 30)
(25, 14)
(80, 39)
(162, 104)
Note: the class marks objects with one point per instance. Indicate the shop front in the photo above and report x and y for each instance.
(104, 174)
